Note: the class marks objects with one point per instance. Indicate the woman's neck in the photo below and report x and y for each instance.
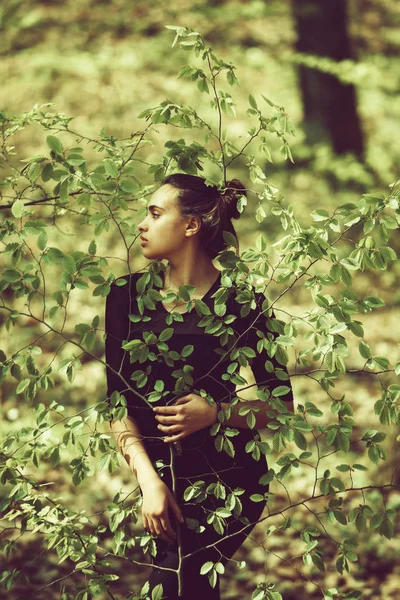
(201, 274)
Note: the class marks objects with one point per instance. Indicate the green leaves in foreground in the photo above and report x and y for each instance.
(70, 226)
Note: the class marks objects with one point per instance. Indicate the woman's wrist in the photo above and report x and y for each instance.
(147, 478)
(149, 482)
(143, 468)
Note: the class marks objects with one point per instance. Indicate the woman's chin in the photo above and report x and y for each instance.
(149, 255)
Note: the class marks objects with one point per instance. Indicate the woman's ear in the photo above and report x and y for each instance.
(192, 226)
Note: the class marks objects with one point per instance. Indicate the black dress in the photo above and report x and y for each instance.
(227, 481)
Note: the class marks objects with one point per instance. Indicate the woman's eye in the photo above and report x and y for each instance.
(155, 215)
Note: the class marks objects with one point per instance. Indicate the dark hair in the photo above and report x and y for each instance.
(216, 209)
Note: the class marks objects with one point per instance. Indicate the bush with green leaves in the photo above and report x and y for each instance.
(52, 291)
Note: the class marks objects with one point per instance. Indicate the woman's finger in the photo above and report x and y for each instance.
(160, 532)
(165, 410)
(175, 438)
(166, 420)
(170, 428)
(182, 400)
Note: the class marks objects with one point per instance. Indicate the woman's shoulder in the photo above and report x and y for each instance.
(132, 285)
(127, 281)
(252, 309)
(244, 294)
(124, 286)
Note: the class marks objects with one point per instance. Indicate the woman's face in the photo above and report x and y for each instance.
(163, 232)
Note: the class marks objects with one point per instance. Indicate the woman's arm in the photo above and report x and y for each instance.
(130, 443)
(262, 378)
(192, 412)
(240, 421)
(157, 498)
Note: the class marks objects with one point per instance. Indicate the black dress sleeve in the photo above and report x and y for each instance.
(267, 370)
(117, 330)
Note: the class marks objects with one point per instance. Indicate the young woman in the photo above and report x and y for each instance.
(184, 225)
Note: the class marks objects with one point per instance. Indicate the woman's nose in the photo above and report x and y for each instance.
(141, 226)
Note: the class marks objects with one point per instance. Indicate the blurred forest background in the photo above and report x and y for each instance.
(335, 67)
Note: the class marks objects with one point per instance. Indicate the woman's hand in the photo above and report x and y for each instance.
(157, 500)
(189, 414)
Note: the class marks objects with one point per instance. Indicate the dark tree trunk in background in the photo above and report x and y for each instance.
(330, 107)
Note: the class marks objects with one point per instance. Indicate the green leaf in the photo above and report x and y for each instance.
(356, 328)
(54, 144)
(92, 247)
(128, 185)
(281, 390)
(206, 567)
(389, 222)
(229, 238)
(55, 255)
(82, 328)
(102, 290)
(219, 567)
(343, 441)
(251, 420)
(17, 209)
(346, 277)
(42, 240)
(187, 350)
(300, 440)
(159, 385)
(64, 191)
(68, 264)
(76, 160)
(223, 512)
(359, 467)
(343, 468)
(228, 447)
(381, 362)
(376, 520)
(47, 172)
(252, 102)
(157, 592)
(330, 360)
(22, 386)
(373, 453)
(364, 350)
(219, 309)
(318, 562)
(212, 578)
(388, 253)
(11, 275)
(387, 529)
(330, 435)
(320, 215)
(202, 308)
(257, 498)
(313, 410)
(111, 168)
(90, 340)
(340, 517)
(373, 301)
(166, 334)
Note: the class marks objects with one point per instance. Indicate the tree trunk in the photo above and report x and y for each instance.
(330, 108)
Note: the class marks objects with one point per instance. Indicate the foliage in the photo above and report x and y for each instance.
(41, 282)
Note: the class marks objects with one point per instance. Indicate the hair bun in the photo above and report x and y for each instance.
(234, 189)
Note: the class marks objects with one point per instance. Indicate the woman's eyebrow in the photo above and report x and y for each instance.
(152, 206)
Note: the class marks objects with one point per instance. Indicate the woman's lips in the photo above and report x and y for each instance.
(143, 241)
